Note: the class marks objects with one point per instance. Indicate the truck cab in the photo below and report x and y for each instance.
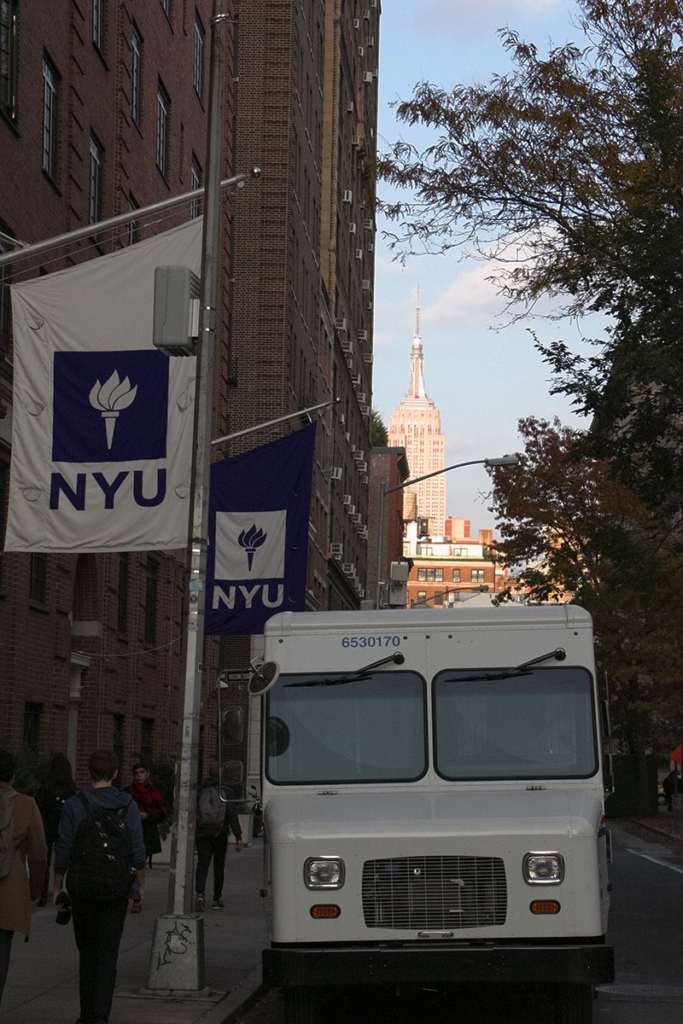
(433, 804)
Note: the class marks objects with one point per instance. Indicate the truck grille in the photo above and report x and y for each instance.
(440, 893)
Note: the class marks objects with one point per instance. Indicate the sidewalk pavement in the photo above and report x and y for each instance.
(42, 984)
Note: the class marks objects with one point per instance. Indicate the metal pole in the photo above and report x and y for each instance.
(35, 248)
(272, 423)
(181, 878)
(185, 970)
(380, 541)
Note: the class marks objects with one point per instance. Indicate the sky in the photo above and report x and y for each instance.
(482, 375)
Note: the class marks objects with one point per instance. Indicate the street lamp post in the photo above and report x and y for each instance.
(500, 460)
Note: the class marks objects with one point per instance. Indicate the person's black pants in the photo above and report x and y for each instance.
(6, 937)
(209, 846)
(98, 927)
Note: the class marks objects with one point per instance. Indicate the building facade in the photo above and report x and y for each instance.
(415, 425)
(447, 569)
(103, 108)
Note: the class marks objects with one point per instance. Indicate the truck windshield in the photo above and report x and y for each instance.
(539, 725)
(368, 730)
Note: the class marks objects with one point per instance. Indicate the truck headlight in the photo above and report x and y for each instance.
(324, 873)
(543, 868)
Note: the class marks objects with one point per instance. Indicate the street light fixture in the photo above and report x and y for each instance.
(500, 461)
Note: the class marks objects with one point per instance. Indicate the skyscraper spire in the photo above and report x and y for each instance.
(416, 387)
(417, 314)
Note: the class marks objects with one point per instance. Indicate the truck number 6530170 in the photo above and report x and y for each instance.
(371, 641)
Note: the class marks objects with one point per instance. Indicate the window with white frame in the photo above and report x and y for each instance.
(195, 183)
(136, 76)
(95, 189)
(98, 23)
(50, 114)
(163, 114)
(8, 58)
(198, 73)
(477, 575)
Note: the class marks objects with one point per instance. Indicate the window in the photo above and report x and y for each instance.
(8, 58)
(146, 732)
(32, 713)
(50, 87)
(95, 189)
(539, 725)
(438, 597)
(98, 23)
(198, 74)
(422, 597)
(122, 596)
(151, 592)
(135, 77)
(456, 575)
(163, 110)
(195, 183)
(350, 733)
(133, 225)
(477, 575)
(37, 579)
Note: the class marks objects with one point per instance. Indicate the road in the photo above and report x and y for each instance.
(645, 929)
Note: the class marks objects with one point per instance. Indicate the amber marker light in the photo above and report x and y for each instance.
(544, 907)
(325, 911)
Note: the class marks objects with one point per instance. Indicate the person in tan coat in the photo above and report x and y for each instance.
(19, 888)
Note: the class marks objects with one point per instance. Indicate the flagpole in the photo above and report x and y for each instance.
(185, 970)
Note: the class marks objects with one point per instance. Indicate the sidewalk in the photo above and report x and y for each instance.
(42, 984)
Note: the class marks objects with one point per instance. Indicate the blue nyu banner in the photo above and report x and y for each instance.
(258, 534)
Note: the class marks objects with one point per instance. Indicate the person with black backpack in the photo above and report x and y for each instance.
(101, 850)
(215, 816)
(52, 795)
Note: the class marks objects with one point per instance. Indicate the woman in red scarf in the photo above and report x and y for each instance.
(151, 807)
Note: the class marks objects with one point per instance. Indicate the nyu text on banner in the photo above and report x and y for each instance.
(103, 421)
(258, 534)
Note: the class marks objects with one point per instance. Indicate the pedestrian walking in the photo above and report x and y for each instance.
(22, 860)
(52, 796)
(215, 819)
(151, 806)
(99, 849)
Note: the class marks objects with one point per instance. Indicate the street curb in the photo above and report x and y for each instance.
(238, 1001)
(653, 828)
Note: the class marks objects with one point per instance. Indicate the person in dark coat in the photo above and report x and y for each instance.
(19, 886)
(98, 923)
(51, 797)
(151, 806)
(212, 844)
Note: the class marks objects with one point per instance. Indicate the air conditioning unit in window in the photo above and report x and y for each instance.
(365, 285)
(361, 51)
(358, 454)
(367, 357)
(347, 345)
(355, 141)
(355, 380)
(347, 499)
(361, 396)
(368, 306)
(356, 517)
(371, 246)
(340, 323)
(349, 107)
(359, 254)
(352, 227)
(336, 473)
(336, 550)
(366, 15)
(362, 335)
(349, 363)
(371, 41)
(368, 77)
(348, 568)
(356, 22)
(368, 225)
(347, 196)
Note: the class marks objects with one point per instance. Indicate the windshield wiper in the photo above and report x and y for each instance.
(559, 654)
(352, 677)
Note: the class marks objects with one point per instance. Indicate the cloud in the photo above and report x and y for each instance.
(465, 18)
(470, 301)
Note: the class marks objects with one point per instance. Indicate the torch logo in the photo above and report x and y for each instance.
(251, 540)
(110, 398)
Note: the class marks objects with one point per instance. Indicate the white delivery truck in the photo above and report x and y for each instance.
(433, 803)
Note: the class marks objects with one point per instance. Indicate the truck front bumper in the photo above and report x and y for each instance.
(293, 967)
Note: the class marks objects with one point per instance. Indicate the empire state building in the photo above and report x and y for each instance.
(415, 425)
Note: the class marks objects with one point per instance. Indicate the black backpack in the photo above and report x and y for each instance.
(100, 863)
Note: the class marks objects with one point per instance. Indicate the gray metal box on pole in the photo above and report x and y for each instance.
(176, 311)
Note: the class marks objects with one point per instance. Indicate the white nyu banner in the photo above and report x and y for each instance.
(103, 421)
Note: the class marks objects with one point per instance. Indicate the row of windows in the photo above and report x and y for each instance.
(437, 575)
(9, 10)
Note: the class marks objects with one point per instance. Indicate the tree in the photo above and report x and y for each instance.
(567, 173)
(378, 432)
(571, 531)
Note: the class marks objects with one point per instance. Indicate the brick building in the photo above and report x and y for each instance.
(445, 569)
(103, 110)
